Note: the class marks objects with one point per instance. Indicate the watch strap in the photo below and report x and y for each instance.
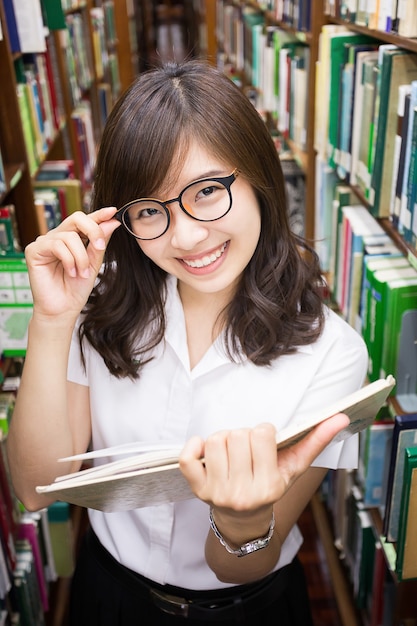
(250, 546)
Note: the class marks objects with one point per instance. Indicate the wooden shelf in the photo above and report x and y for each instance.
(342, 589)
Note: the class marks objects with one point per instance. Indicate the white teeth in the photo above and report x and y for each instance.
(206, 260)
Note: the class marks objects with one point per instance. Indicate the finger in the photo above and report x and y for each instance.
(239, 455)
(95, 228)
(65, 247)
(264, 450)
(191, 465)
(303, 453)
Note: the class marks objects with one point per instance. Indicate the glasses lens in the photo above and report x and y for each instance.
(146, 219)
(206, 200)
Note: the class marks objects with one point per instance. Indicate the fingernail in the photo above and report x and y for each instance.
(100, 244)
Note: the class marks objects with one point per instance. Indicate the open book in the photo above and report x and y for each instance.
(145, 475)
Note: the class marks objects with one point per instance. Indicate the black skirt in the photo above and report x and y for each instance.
(105, 593)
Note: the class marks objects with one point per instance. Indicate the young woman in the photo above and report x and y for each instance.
(193, 314)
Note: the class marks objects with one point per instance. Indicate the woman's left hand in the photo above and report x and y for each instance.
(242, 470)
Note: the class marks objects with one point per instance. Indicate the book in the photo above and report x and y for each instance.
(153, 475)
(406, 565)
(359, 547)
(404, 210)
(360, 228)
(406, 14)
(358, 109)
(337, 59)
(399, 350)
(374, 321)
(12, 26)
(376, 441)
(372, 264)
(28, 529)
(404, 435)
(367, 126)
(397, 68)
(343, 196)
(404, 100)
(326, 182)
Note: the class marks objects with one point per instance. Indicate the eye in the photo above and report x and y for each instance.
(207, 192)
(140, 212)
(150, 212)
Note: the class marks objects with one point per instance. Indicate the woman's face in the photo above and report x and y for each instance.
(207, 257)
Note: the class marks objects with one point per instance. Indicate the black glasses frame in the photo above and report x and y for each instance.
(226, 181)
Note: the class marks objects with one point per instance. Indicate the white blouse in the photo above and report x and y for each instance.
(170, 402)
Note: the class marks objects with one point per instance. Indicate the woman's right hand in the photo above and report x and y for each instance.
(63, 264)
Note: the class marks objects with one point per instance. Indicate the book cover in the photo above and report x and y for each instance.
(30, 25)
(375, 448)
(25, 581)
(362, 226)
(367, 128)
(326, 181)
(406, 566)
(370, 265)
(404, 436)
(337, 59)
(411, 235)
(398, 67)
(343, 196)
(399, 351)
(154, 476)
(71, 187)
(344, 156)
(12, 26)
(322, 88)
(358, 105)
(406, 22)
(375, 311)
(28, 530)
(404, 100)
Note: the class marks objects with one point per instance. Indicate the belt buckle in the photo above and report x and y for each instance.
(174, 605)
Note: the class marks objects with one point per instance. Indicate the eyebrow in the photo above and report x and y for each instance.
(215, 173)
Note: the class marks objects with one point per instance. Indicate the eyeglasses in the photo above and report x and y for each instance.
(205, 200)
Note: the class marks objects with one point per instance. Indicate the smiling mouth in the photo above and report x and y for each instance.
(206, 260)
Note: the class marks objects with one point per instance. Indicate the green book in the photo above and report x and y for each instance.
(398, 348)
(372, 264)
(54, 15)
(369, 79)
(28, 131)
(406, 565)
(376, 315)
(338, 52)
(397, 67)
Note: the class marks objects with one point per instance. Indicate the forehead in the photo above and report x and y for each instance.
(191, 163)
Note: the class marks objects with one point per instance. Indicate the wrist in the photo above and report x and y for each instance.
(258, 542)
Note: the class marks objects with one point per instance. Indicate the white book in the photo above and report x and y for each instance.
(147, 475)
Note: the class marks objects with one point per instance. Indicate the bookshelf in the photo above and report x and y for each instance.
(250, 41)
(59, 80)
(87, 56)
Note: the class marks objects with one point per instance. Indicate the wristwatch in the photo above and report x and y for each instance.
(247, 548)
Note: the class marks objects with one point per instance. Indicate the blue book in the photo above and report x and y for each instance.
(12, 26)
(376, 442)
(404, 436)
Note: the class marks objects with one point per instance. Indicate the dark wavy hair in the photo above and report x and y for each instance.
(277, 305)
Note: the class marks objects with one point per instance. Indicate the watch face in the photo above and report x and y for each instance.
(253, 546)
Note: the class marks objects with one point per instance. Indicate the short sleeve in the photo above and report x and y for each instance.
(76, 372)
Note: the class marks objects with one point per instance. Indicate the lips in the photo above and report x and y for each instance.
(207, 259)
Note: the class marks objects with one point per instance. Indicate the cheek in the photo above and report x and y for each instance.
(151, 249)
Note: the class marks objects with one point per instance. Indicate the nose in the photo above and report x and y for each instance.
(185, 231)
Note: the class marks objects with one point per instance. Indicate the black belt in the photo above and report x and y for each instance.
(217, 604)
